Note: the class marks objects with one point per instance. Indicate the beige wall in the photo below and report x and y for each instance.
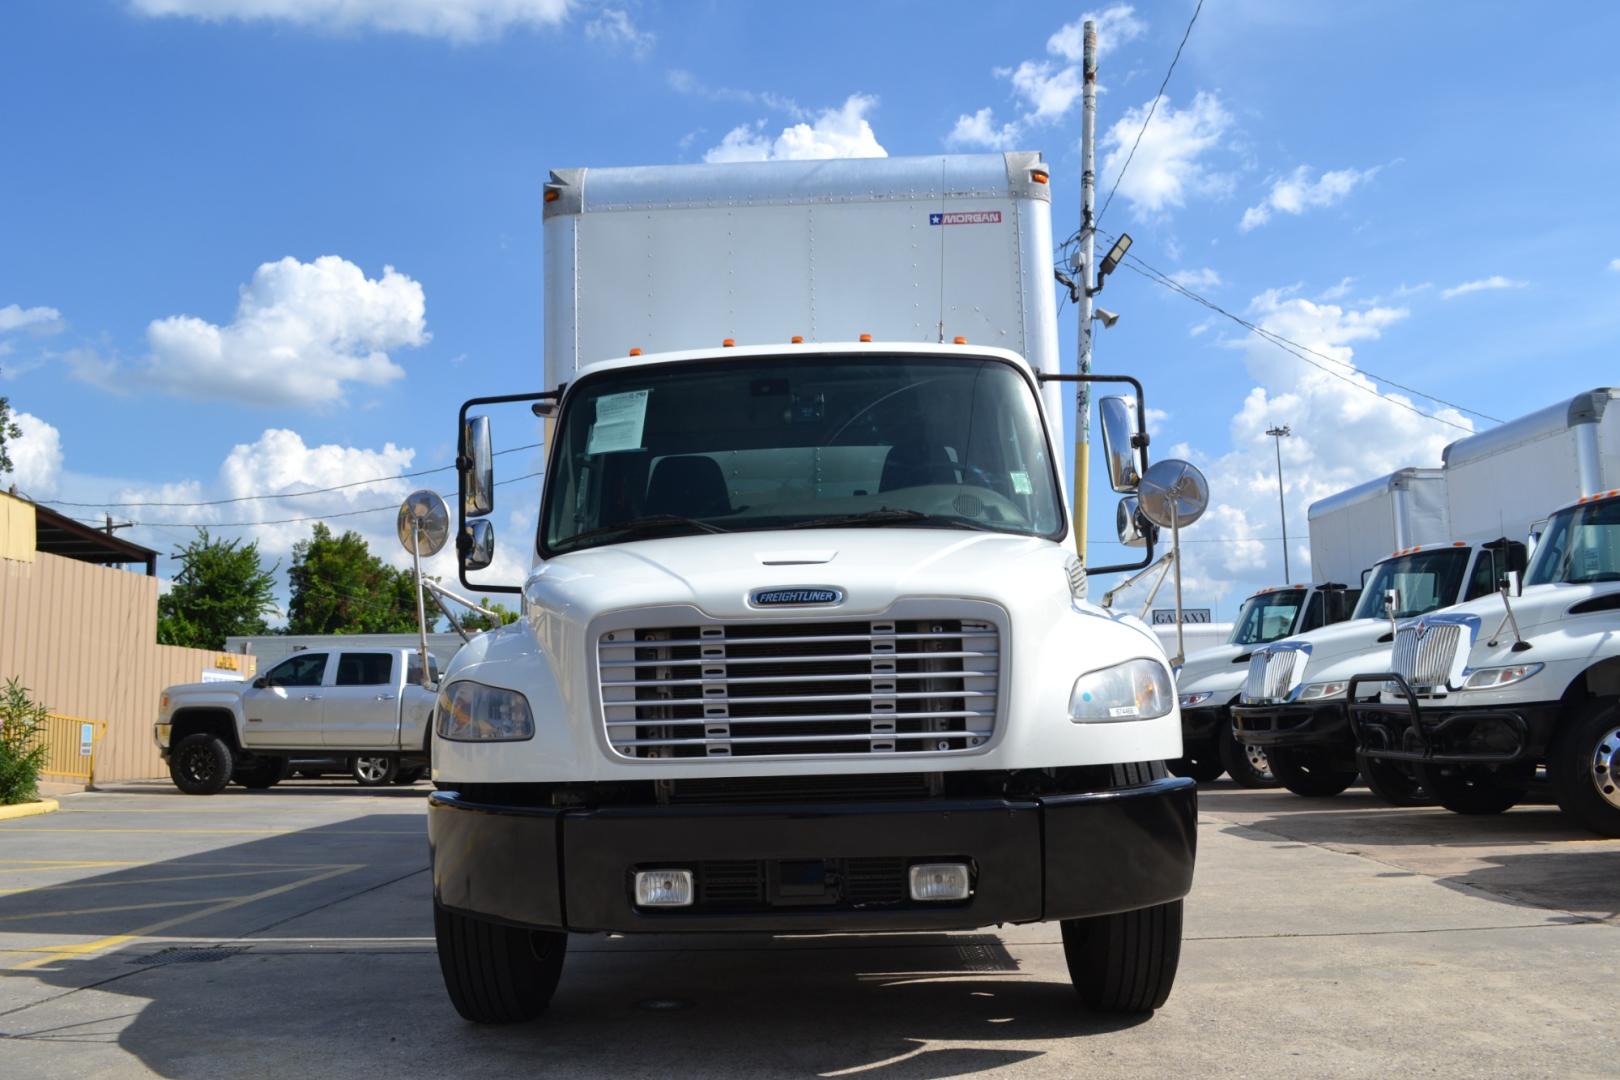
(83, 639)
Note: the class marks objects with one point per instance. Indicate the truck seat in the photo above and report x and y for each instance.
(691, 486)
(915, 464)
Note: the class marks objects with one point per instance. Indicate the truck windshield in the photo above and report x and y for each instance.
(1266, 617)
(798, 442)
(1581, 544)
(1425, 580)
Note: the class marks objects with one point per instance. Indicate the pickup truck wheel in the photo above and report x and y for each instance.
(262, 774)
(1393, 782)
(1125, 962)
(1585, 767)
(497, 974)
(201, 764)
(1248, 766)
(1475, 789)
(373, 770)
(1308, 772)
(1201, 763)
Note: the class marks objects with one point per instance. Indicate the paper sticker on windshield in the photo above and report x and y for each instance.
(1021, 484)
(619, 420)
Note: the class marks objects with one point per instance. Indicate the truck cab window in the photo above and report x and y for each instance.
(1581, 545)
(1266, 617)
(1423, 581)
(305, 669)
(365, 669)
(413, 669)
(1313, 614)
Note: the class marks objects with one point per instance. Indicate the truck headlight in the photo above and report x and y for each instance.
(1491, 677)
(1134, 690)
(1321, 691)
(472, 712)
(1192, 701)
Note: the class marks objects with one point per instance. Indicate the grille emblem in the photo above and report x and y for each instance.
(796, 596)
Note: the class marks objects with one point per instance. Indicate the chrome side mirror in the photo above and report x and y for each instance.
(1129, 523)
(1119, 449)
(1512, 584)
(1392, 602)
(477, 544)
(477, 464)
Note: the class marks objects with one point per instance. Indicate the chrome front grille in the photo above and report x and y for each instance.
(1271, 675)
(773, 689)
(1425, 660)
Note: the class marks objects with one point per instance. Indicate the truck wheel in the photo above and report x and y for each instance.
(498, 974)
(373, 770)
(1202, 764)
(266, 773)
(1125, 962)
(1474, 789)
(1248, 766)
(1585, 767)
(1308, 772)
(200, 764)
(1392, 782)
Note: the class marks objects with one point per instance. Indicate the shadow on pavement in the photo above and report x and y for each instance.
(293, 954)
(1587, 882)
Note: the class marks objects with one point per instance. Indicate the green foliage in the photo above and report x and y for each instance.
(9, 432)
(222, 589)
(473, 621)
(22, 744)
(340, 587)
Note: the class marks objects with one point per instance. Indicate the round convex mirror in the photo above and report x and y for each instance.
(1173, 490)
(424, 523)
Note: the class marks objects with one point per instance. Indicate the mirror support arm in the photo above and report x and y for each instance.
(462, 462)
(1139, 442)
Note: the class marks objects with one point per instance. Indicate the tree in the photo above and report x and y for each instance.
(474, 621)
(222, 589)
(9, 432)
(340, 587)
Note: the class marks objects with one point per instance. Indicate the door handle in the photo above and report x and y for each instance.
(312, 697)
(384, 697)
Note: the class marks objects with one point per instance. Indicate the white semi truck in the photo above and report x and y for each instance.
(1477, 697)
(1349, 532)
(802, 646)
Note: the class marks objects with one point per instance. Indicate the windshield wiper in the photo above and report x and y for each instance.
(641, 525)
(888, 516)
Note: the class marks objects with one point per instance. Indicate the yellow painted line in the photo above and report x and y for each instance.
(233, 832)
(29, 809)
(88, 948)
(14, 866)
(67, 912)
(152, 880)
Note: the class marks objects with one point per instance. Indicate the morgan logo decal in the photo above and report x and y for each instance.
(967, 217)
(795, 596)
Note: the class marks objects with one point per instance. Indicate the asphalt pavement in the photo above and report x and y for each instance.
(289, 933)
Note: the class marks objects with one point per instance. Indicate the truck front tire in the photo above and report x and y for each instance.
(1125, 962)
(1396, 784)
(1308, 772)
(201, 764)
(262, 774)
(498, 974)
(1248, 766)
(1201, 763)
(1475, 790)
(1585, 767)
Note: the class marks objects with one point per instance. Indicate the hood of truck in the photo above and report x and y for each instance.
(1214, 671)
(1339, 651)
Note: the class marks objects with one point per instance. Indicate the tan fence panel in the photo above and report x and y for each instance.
(82, 638)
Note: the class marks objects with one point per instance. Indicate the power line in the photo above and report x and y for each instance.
(287, 495)
(1151, 109)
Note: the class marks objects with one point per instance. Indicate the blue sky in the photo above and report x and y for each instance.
(195, 190)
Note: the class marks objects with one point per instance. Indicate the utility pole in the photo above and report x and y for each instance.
(1279, 434)
(1088, 199)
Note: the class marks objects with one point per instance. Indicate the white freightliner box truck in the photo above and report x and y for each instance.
(802, 647)
(1478, 696)
(1349, 532)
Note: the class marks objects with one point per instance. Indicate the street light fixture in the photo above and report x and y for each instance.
(1280, 433)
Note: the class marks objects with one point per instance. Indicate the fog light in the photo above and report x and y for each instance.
(940, 881)
(664, 888)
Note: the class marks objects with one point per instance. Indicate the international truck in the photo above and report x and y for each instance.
(803, 647)
(363, 710)
(1477, 698)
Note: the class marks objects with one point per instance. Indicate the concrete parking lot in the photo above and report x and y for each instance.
(288, 933)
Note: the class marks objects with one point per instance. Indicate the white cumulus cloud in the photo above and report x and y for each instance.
(1116, 26)
(1297, 192)
(36, 456)
(301, 334)
(1495, 281)
(455, 20)
(841, 132)
(38, 319)
(1205, 278)
(615, 29)
(1169, 164)
(1614, 264)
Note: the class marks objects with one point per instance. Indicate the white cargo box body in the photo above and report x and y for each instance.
(665, 258)
(1355, 528)
(1501, 481)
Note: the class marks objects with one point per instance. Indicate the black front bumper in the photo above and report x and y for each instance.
(1322, 726)
(1041, 858)
(1439, 735)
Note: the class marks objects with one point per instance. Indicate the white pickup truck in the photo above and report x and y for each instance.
(364, 706)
